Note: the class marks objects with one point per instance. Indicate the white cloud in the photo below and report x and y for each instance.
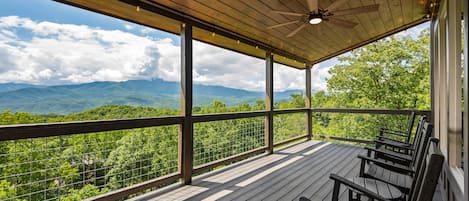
(129, 27)
(65, 53)
(217, 66)
(53, 53)
(146, 30)
(319, 76)
(288, 78)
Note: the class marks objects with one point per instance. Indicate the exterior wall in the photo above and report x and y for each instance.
(447, 96)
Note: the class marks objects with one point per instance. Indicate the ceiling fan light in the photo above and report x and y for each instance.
(315, 19)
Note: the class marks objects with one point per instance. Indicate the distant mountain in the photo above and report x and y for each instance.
(14, 86)
(64, 99)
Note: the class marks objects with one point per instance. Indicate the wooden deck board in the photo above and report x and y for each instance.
(298, 170)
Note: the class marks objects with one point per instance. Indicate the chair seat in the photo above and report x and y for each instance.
(402, 181)
(381, 188)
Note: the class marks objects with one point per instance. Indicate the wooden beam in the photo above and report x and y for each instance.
(186, 132)
(309, 114)
(269, 102)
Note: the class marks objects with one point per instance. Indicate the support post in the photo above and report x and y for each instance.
(185, 143)
(453, 55)
(466, 102)
(443, 107)
(309, 114)
(269, 102)
(432, 73)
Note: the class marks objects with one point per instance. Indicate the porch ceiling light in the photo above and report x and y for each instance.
(315, 19)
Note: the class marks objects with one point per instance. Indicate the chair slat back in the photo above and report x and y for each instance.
(424, 184)
(419, 154)
(411, 126)
(421, 137)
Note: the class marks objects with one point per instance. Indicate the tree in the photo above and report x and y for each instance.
(392, 73)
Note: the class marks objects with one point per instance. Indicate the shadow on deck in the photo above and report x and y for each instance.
(298, 170)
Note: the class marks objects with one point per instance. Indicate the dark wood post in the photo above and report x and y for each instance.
(186, 134)
(269, 102)
(309, 114)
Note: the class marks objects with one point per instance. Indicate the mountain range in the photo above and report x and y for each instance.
(64, 99)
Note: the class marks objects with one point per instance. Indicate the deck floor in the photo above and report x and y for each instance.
(299, 170)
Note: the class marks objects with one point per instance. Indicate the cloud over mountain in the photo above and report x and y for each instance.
(50, 53)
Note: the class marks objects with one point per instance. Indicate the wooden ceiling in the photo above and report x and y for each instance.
(241, 25)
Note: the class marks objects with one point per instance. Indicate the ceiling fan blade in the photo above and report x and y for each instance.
(335, 5)
(357, 10)
(312, 5)
(286, 13)
(296, 30)
(342, 23)
(283, 24)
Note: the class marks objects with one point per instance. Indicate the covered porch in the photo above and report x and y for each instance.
(258, 169)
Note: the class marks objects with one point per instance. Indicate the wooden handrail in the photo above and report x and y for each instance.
(292, 110)
(26, 131)
(371, 111)
(227, 116)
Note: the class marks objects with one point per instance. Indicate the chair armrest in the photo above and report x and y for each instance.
(387, 153)
(393, 132)
(340, 180)
(384, 138)
(408, 147)
(387, 165)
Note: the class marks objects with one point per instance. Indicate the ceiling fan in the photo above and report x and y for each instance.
(318, 15)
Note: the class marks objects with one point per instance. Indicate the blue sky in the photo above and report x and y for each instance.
(48, 43)
(47, 10)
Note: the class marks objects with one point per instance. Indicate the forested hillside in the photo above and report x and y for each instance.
(65, 99)
(392, 73)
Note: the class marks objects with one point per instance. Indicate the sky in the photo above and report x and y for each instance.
(48, 43)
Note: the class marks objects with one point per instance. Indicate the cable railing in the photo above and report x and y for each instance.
(289, 126)
(53, 168)
(358, 125)
(115, 159)
(217, 140)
